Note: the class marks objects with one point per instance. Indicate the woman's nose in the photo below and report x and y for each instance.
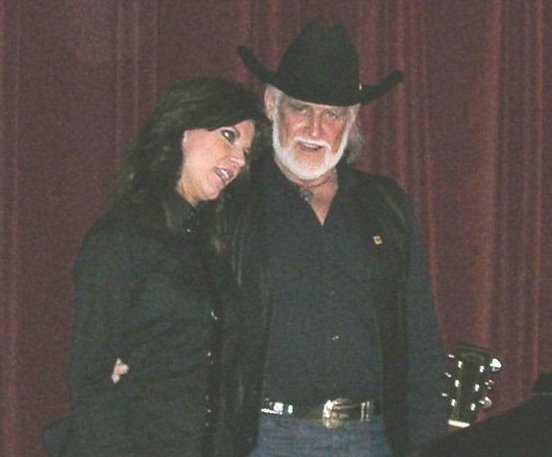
(238, 157)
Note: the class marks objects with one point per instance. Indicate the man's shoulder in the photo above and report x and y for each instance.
(381, 184)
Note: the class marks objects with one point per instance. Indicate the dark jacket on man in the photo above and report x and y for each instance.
(410, 344)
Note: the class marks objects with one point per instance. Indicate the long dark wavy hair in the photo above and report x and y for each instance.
(153, 164)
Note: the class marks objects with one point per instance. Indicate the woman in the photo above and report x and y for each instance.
(143, 292)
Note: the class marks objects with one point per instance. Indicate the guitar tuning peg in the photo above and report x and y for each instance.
(495, 365)
(445, 395)
(451, 356)
(486, 403)
(447, 374)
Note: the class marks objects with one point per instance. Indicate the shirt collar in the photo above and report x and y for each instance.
(273, 176)
(182, 217)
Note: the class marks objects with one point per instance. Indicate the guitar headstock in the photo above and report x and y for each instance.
(470, 384)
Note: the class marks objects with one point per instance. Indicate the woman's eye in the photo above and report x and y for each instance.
(230, 135)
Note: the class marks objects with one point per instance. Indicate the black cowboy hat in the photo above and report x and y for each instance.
(321, 66)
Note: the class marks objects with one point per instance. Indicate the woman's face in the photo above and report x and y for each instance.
(213, 159)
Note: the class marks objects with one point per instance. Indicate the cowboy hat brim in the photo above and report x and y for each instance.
(366, 93)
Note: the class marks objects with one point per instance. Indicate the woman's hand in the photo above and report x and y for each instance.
(119, 370)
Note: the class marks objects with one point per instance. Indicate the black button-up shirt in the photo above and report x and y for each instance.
(323, 342)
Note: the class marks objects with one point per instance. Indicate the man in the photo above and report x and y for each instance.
(338, 353)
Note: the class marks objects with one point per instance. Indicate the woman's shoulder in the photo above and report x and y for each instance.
(116, 236)
(112, 229)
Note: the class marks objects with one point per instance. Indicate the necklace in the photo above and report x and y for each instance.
(306, 192)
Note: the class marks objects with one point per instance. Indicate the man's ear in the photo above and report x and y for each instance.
(269, 103)
(183, 140)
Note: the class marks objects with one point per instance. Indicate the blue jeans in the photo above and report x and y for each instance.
(290, 437)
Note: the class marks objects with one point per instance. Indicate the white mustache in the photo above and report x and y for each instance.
(305, 139)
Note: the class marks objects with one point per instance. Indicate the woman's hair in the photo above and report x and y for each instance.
(153, 164)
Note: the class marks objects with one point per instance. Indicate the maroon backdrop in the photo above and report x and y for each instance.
(468, 134)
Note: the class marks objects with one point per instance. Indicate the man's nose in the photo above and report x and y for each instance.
(315, 125)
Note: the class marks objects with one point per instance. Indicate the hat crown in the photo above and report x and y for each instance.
(320, 66)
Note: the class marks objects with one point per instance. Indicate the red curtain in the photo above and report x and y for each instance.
(466, 134)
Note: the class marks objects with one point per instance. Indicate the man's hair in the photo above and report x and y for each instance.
(355, 145)
(355, 141)
(153, 163)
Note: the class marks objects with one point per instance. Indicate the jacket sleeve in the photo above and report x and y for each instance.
(427, 410)
(103, 285)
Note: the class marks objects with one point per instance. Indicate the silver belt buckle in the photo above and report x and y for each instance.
(278, 408)
(335, 412)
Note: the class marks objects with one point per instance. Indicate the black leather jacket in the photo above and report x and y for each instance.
(410, 343)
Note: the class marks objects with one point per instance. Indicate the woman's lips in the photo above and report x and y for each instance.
(224, 174)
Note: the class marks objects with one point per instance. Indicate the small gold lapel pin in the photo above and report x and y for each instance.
(377, 239)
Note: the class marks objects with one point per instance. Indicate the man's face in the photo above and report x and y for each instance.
(309, 139)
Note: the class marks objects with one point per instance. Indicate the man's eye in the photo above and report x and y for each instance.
(298, 108)
(334, 115)
(229, 134)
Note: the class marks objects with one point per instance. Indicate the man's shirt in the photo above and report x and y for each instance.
(324, 341)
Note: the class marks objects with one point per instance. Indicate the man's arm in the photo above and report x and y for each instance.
(427, 416)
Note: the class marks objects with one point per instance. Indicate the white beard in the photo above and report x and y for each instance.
(300, 169)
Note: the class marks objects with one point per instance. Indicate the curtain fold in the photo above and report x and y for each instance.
(520, 203)
(467, 134)
(9, 263)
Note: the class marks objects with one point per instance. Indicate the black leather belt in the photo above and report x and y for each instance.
(332, 414)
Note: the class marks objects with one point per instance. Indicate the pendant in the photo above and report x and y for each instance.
(305, 194)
